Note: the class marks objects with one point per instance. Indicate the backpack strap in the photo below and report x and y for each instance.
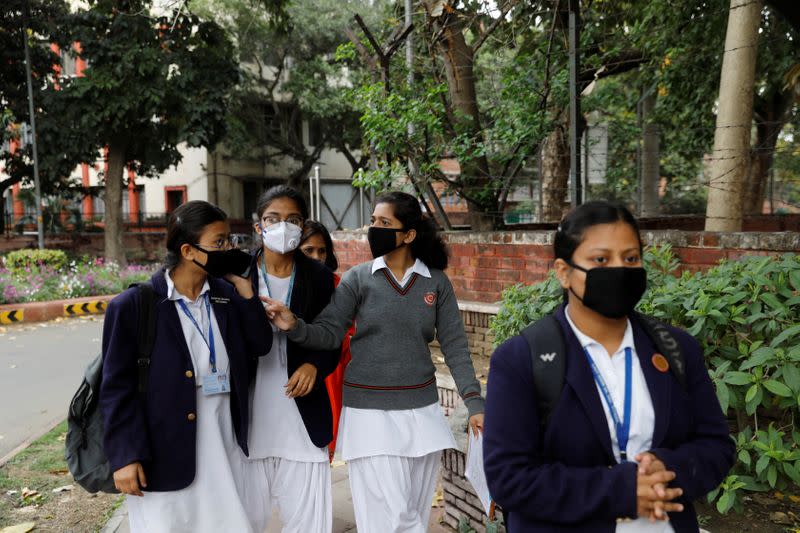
(147, 332)
(666, 344)
(546, 342)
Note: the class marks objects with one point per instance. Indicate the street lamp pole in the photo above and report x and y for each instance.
(576, 183)
(36, 183)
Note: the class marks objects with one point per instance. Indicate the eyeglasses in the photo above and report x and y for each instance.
(226, 243)
(269, 220)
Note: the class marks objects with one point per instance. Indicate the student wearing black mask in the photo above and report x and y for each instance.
(392, 427)
(632, 437)
(173, 448)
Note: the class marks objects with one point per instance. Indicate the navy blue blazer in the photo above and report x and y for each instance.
(160, 432)
(568, 479)
(313, 288)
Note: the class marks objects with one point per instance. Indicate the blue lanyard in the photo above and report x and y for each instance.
(624, 426)
(266, 281)
(212, 359)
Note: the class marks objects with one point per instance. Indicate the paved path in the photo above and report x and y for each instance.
(41, 366)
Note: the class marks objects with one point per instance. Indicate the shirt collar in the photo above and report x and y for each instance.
(419, 267)
(174, 295)
(586, 341)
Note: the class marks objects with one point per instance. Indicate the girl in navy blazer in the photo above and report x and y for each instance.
(291, 413)
(174, 449)
(626, 447)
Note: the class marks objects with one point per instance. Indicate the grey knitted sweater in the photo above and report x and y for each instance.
(391, 365)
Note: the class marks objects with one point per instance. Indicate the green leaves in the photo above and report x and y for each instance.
(778, 388)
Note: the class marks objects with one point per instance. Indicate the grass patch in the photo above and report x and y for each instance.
(40, 466)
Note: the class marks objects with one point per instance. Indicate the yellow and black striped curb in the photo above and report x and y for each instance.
(95, 307)
(12, 317)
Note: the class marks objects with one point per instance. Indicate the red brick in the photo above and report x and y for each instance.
(488, 286)
(511, 263)
(487, 273)
(711, 240)
(537, 266)
(710, 256)
(694, 238)
(508, 275)
(488, 262)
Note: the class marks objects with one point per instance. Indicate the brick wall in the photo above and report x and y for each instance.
(482, 264)
(461, 504)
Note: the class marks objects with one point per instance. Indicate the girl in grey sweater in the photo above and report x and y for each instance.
(392, 428)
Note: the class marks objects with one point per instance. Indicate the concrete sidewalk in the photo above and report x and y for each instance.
(343, 518)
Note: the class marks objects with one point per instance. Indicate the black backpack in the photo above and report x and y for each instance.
(84, 452)
(546, 342)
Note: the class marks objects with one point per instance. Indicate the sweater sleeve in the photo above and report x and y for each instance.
(519, 480)
(455, 347)
(325, 361)
(328, 329)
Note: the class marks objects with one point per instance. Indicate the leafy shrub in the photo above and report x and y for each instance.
(19, 260)
(746, 316)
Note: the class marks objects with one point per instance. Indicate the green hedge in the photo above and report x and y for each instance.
(746, 316)
(20, 260)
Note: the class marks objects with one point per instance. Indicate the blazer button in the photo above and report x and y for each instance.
(191, 417)
(189, 374)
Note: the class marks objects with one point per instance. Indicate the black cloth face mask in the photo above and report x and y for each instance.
(382, 240)
(222, 262)
(612, 291)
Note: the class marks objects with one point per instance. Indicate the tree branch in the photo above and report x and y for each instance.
(363, 52)
(625, 61)
(375, 46)
(494, 25)
(395, 43)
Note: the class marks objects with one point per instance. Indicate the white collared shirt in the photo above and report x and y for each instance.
(196, 342)
(417, 268)
(643, 419)
(276, 426)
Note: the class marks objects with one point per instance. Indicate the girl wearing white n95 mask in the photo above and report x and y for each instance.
(291, 415)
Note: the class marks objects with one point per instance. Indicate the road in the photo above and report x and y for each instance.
(41, 366)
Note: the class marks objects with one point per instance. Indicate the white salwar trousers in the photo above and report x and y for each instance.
(301, 491)
(393, 494)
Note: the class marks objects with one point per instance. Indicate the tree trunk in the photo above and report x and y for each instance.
(728, 168)
(651, 174)
(2, 210)
(555, 174)
(476, 177)
(769, 123)
(114, 249)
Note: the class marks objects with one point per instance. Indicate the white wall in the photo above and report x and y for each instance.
(191, 172)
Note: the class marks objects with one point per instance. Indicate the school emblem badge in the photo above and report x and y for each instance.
(430, 298)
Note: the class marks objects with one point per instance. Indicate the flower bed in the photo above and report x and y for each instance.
(77, 278)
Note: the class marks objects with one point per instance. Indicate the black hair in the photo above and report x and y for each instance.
(573, 226)
(186, 225)
(281, 191)
(311, 228)
(428, 246)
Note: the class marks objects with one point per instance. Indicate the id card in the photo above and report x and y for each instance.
(216, 383)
